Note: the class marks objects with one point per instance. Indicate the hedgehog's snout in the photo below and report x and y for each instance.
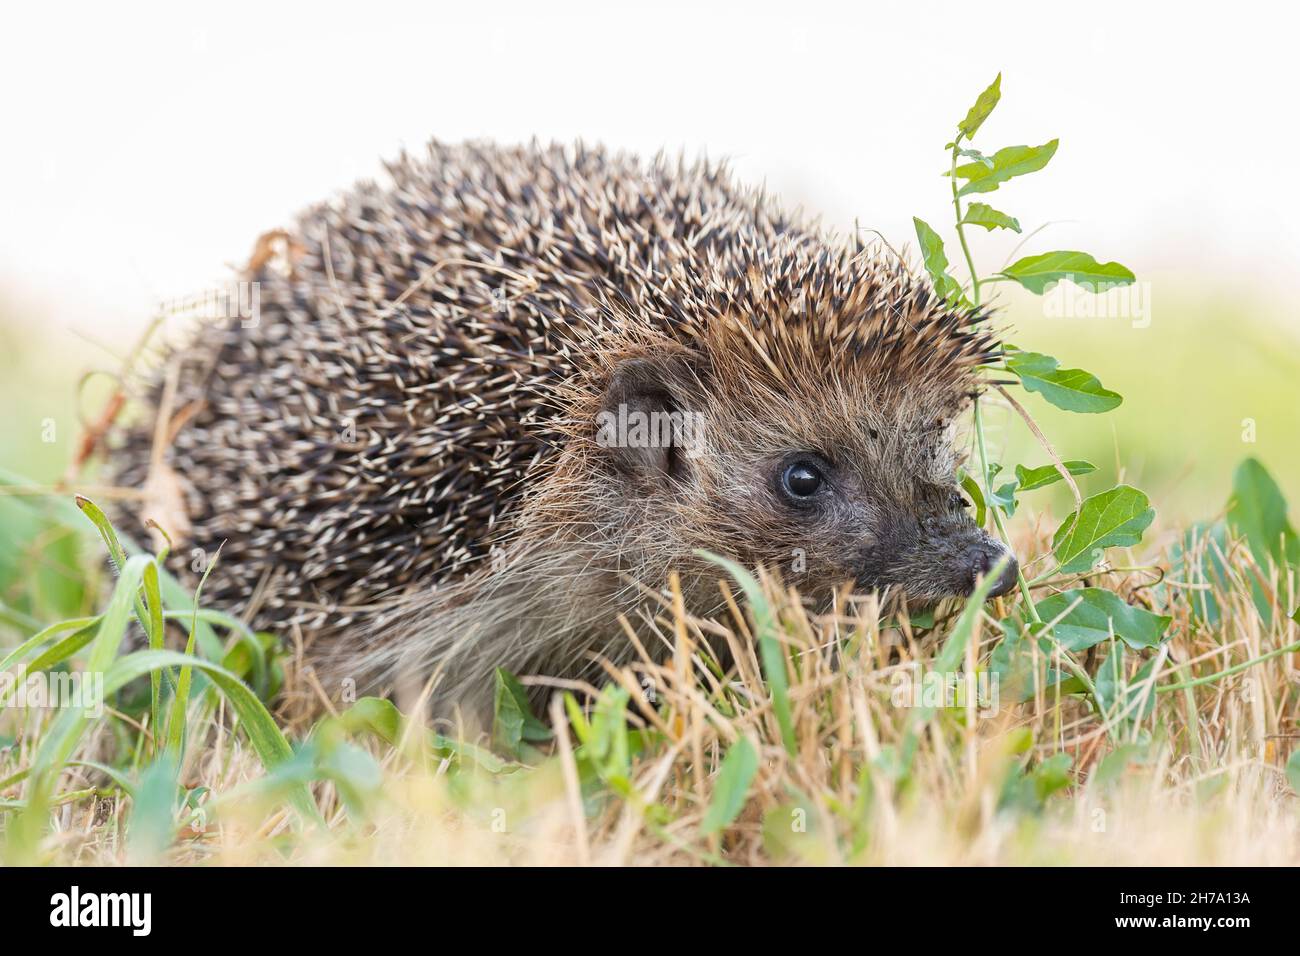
(983, 557)
(944, 558)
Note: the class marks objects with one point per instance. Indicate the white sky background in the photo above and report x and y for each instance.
(143, 151)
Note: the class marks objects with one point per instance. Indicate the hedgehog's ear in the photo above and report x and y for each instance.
(647, 424)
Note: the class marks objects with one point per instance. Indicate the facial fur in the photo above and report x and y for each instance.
(827, 478)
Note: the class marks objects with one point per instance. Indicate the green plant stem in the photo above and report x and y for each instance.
(1076, 578)
(1193, 723)
(1021, 581)
(979, 419)
(961, 233)
(1235, 669)
(997, 516)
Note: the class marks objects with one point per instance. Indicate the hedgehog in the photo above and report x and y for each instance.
(489, 407)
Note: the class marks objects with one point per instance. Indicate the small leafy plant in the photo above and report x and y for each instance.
(1114, 518)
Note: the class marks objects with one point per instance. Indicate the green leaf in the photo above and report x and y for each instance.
(1027, 790)
(734, 777)
(1008, 163)
(376, 715)
(609, 735)
(1071, 389)
(355, 774)
(577, 721)
(1021, 672)
(1037, 273)
(1009, 660)
(1004, 497)
(1114, 518)
(1051, 775)
(976, 155)
(1090, 621)
(979, 214)
(972, 488)
(514, 722)
(1041, 477)
(936, 263)
(1257, 510)
(978, 113)
(255, 655)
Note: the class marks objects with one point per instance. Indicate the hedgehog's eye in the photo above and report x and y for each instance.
(959, 502)
(801, 480)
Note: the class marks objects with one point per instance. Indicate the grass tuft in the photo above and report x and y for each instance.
(847, 737)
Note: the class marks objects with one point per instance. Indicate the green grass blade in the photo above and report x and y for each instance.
(115, 550)
(268, 741)
(734, 777)
(176, 721)
(32, 643)
(947, 661)
(771, 651)
(154, 600)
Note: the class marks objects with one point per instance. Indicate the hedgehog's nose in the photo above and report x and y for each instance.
(983, 557)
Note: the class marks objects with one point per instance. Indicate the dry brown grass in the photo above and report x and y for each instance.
(1206, 783)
